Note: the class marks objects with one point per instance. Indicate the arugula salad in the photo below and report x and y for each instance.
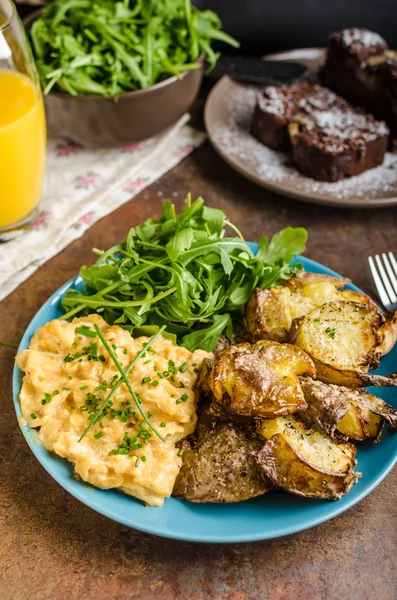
(107, 47)
(185, 272)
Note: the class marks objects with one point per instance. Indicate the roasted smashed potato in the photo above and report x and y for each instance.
(344, 413)
(299, 384)
(258, 380)
(305, 462)
(269, 313)
(219, 463)
(345, 339)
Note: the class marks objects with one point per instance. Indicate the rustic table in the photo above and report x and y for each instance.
(54, 547)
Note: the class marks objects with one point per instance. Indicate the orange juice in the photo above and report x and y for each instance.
(22, 147)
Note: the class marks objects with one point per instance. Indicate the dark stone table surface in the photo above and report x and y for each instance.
(54, 547)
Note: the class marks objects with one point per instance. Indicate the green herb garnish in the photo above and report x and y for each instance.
(84, 330)
(183, 272)
(8, 344)
(127, 445)
(331, 332)
(124, 378)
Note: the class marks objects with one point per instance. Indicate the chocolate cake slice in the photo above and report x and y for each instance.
(277, 106)
(363, 70)
(334, 144)
(329, 139)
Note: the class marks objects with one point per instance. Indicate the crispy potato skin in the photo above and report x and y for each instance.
(269, 313)
(293, 473)
(260, 380)
(388, 333)
(219, 464)
(344, 339)
(344, 413)
(353, 379)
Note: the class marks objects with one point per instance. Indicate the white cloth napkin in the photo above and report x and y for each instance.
(84, 185)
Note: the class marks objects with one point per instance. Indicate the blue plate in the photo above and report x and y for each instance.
(270, 516)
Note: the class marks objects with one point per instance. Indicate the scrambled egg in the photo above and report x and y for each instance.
(67, 377)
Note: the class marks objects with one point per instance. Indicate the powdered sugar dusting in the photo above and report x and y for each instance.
(363, 36)
(346, 124)
(236, 142)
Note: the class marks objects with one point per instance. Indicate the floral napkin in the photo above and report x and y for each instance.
(84, 185)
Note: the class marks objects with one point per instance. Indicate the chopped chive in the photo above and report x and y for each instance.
(84, 330)
(331, 332)
(143, 458)
(72, 407)
(114, 346)
(47, 398)
(138, 460)
(184, 397)
(55, 392)
(66, 389)
(33, 416)
(70, 377)
(154, 383)
(146, 380)
(183, 368)
(94, 349)
(163, 424)
(84, 387)
(125, 351)
(98, 435)
(180, 452)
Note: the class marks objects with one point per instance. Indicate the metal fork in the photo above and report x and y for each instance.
(385, 278)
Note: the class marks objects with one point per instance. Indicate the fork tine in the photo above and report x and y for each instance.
(392, 277)
(378, 283)
(385, 280)
(393, 262)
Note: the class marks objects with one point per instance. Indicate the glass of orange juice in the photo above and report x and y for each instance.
(22, 127)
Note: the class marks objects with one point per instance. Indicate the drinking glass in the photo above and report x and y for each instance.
(22, 127)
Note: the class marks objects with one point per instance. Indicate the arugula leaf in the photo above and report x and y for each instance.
(207, 338)
(150, 330)
(180, 242)
(283, 245)
(107, 47)
(180, 271)
(214, 218)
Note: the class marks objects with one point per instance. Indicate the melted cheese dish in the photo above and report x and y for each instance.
(67, 377)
